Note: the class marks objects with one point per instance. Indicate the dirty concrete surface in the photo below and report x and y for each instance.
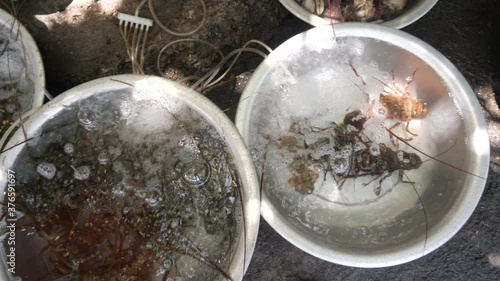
(466, 32)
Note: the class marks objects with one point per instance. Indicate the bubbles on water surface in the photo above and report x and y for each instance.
(364, 231)
(126, 210)
(350, 128)
(168, 261)
(69, 148)
(355, 46)
(359, 146)
(103, 158)
(375, 149)
(340, 163)
(382, 111)
(88, 116)
(196, 173)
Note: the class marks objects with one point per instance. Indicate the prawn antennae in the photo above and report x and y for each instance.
(432, 157)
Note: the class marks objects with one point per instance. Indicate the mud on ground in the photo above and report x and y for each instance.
(80, 39)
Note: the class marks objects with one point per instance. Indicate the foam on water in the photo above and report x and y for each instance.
(355, 46)
(340, 163)
(444, 123)
(149, 118)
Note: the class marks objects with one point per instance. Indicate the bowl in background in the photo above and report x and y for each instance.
(412, 12)
(22, 76)
(20, 64)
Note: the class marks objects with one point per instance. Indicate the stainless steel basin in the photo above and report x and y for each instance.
(309, 84)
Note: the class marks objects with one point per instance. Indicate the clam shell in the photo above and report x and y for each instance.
(314, 6)
(396, 5)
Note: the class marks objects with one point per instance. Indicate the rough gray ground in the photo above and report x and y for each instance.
(466, 32)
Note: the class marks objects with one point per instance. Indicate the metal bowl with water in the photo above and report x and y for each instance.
(305, 89)
(413, 11)
(112, 154)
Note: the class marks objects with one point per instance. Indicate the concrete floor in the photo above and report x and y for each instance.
(468, 34)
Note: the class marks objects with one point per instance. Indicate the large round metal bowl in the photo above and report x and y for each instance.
(20, 41)
(297, 100)
(415, 10)
(164, 120)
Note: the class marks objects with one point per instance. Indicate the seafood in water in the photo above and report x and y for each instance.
(400, 104)
(356, 156)
(353, 156)
(381, 162)
(348, 131)
(304, 174)
(372, 10)
(355, 10)
(314, 6)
